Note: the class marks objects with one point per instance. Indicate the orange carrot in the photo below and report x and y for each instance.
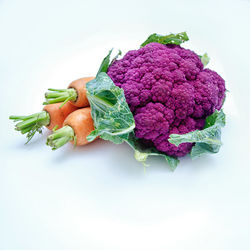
(75, 93)
(58, 114)
(80, 87)
(77, 126)
(51, 116)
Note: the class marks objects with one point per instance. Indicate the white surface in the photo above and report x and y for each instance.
(98, 197)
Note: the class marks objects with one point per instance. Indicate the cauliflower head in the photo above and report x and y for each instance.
(168, 91)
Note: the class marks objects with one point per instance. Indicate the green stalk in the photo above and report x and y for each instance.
(31, 124)
(60, 95)
(60, 137)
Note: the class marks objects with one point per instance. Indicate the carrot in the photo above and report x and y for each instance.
(76, 127)
(58, 114)
(75, 93)
(51, 116)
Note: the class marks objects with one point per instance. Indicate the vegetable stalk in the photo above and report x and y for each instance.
(31, 124)
(60, 95)
(60, 137)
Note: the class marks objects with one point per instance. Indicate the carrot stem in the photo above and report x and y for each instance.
(60, 95)
(60, 137)
(31, 124)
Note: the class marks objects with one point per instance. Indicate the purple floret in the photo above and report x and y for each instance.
(152, 120)
(168, 91)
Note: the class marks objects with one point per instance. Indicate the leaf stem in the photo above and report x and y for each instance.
(60, 95)
(60, 137)
(31, 124)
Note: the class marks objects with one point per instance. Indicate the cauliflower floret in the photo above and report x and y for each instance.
(152, 120)
(168, 91)
(209, 94)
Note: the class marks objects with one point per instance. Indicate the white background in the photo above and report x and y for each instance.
(98, 196)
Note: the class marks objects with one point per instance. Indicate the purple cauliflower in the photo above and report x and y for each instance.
(168, 91)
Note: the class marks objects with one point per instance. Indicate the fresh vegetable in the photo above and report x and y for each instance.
(114, 121)
(169, 92)
(159, 99)
(76, 127)
(58, 114)
(53, 115)
(75, 94)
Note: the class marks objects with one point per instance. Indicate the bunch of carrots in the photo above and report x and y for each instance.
(66, 113)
